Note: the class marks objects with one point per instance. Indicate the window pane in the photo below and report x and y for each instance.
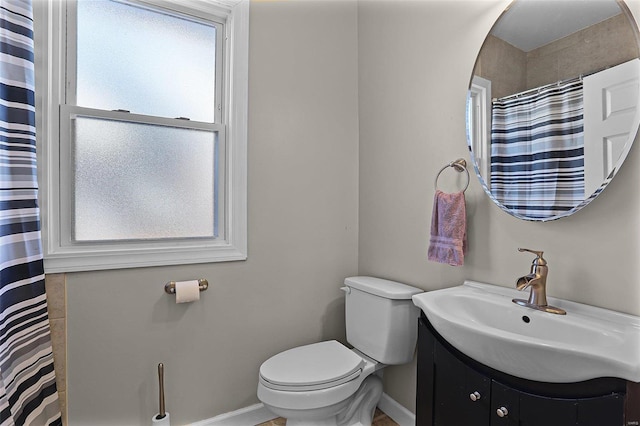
(140, 181)
(144, 61)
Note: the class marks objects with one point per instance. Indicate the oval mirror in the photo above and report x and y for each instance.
(553, 108)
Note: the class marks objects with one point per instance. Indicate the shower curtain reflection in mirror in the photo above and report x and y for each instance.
(537, 150)
(546, 152)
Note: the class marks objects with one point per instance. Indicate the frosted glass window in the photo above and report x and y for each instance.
(144, 61)
(148, 187)
(140, 181)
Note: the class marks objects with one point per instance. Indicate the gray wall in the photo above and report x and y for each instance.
(412, 122)
(326, 200)
(303, 195)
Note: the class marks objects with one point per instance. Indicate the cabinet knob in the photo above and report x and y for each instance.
(474, 396)
(502, 412)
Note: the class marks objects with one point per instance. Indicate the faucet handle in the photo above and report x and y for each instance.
(539, 260)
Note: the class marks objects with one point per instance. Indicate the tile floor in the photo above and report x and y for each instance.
(379, 419)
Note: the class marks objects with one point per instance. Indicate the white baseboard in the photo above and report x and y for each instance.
(257, 413)
(397, 412)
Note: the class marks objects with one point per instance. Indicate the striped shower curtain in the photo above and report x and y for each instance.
(28, 394)
(537, 151)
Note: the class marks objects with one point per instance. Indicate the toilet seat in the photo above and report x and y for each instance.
(312, 367)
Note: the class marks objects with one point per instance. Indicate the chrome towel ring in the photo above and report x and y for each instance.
(460, 165)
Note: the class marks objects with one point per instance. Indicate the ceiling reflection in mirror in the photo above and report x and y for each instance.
(553, 109)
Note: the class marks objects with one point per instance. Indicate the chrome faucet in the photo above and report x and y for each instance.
(537, 282)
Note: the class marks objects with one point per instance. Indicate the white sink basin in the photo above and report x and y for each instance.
(481, 321)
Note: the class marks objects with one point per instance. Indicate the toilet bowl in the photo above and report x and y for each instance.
(312, 384)
(329, 384)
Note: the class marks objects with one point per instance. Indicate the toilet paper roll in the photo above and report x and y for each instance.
(165, 421)
(187, 291)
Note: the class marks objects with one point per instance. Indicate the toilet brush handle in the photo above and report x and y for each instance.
(162, 412)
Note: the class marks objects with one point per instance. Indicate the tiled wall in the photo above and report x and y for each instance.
(504, 65)
(56, 300)
(610, 42)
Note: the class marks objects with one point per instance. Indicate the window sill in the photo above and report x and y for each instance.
(87, 260)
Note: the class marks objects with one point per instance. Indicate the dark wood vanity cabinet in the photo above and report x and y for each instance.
(452, 396)
(454, 390)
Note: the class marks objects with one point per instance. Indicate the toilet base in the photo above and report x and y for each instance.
(359, 409)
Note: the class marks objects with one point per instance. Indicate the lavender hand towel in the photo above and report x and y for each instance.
(448, 242)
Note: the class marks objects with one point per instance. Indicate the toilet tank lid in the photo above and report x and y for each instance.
(383, 288)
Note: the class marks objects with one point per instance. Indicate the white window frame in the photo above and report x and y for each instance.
(59, 255)
(479, 125)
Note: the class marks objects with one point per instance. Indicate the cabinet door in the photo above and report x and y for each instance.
(506, 400)
(602, 411)
(426, 373)
(537, 410)
(461, 395)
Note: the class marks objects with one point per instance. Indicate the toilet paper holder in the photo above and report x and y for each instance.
(170, 287)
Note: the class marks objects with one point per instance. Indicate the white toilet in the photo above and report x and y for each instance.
(328, 384)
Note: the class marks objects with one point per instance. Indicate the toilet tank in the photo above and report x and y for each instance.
(381, 319)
